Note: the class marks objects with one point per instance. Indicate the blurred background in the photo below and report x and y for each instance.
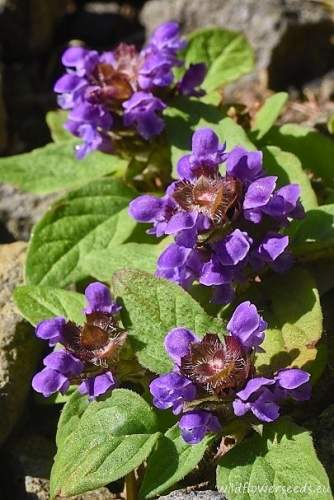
(293, 41)
(294, 46)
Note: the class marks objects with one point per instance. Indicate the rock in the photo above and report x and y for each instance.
(323, 435)
(30, 459)
(195, 495)
(19, 350)
(19, 211)
(287, 35)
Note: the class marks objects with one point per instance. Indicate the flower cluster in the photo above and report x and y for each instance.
(105, 92)
(225, 225)
(214, 379)
(88, 352)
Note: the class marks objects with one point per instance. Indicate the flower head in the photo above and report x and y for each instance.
(110, 94)
(226, 225)
(214, 378)
(88, 350)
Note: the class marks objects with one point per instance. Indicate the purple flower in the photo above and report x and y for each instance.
(285, 203)
(294, 383)
(195, 424)
(86, 348)
(192, 79)
(172, 390)
(147, 208)
(257, 398)
(180, 264)
(177, 343)
(207, 154)
(104, 91)
(245, 165)
(49, 381)
(262, 395)
(215, 219)
(257, 197)
(99, 299)
(98, 385)
(234, 248)
(141, 111)
(155, 72)
(51, 330)
(247, 325)
(80, 59)
(60, 366)
(166, 40)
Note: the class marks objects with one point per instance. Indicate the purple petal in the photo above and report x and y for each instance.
(291, 378)
(173, 256)
(259, 192)
(177, 343)
(145, 208)
(204, 141)
(67, 83)
(252, 386)
(234, 248)
(49, 381)
(195, 424)
(213, 273)
(243, 164)
(247, 325)
(179, 221)
(272, 246)
(51, 330)
(98, 385)
(240, 408)
(64, 363)
(265, 408)
(184, 168)
(99, 298)
(192, 79)
(73, 55)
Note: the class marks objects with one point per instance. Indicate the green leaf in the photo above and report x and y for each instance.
(54, 167)
(314, 150)
(182, 117)
(282, 463)
(231, 133)
(313, 237)
(37, 303)
(266, 117)
(294, 315)
(171, 460)
(55, 121)
(102, 443)
(153, 307)
(91, 218)
(288, 169)
(102, 264)
(227, 55)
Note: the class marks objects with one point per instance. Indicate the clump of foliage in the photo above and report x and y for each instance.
(215, 314)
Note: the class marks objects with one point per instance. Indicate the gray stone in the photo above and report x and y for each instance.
(267, 25)
(19, 350)
(19, 211)
(194, 495)
(31, 457)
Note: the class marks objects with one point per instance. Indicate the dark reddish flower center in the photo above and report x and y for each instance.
(116, 82)
(218, 198)
(217, 367)
(98, 340)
